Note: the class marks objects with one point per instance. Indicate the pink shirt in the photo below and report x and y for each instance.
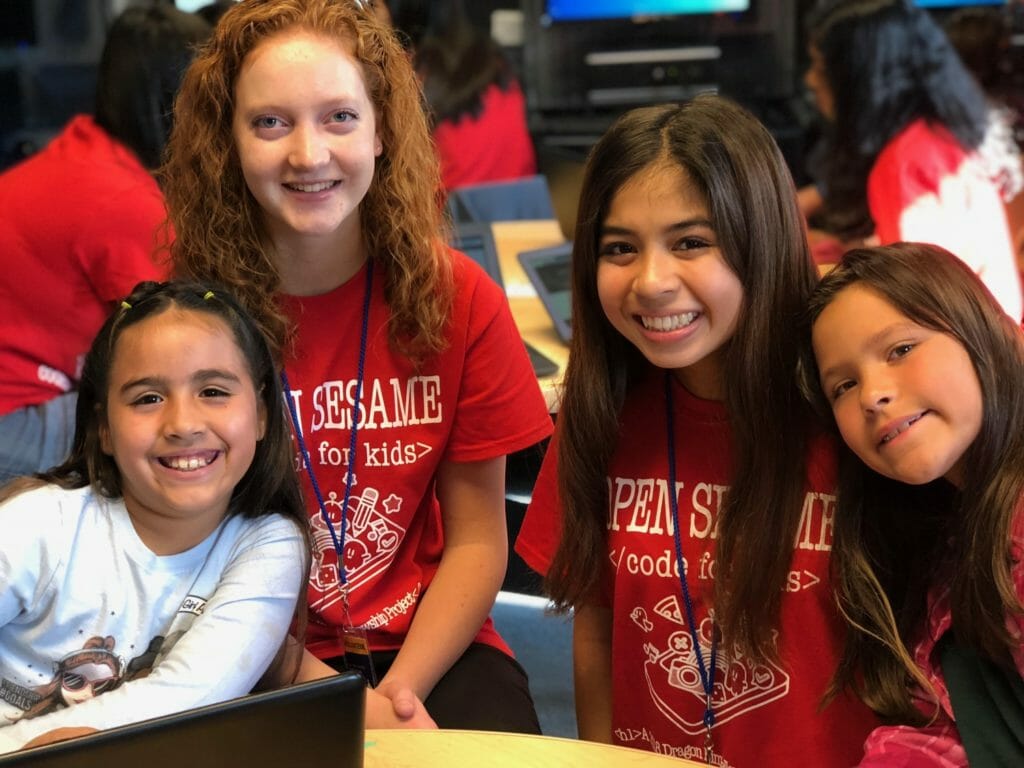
(938, 745)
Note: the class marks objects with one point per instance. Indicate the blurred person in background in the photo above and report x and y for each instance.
(80, 225)
(906, 123)
(475, 101)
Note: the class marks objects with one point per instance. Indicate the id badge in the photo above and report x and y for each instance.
(357, 653)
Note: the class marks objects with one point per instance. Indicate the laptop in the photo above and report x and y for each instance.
(316, 723)
(550, 271)
(476, 240)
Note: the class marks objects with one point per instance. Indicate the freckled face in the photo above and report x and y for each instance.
(663, 281)
(906, 398)
(306, 135)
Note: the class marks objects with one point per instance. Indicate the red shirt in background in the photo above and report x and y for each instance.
(493, 146)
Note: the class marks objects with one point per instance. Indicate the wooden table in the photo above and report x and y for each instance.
(461, 749)
(533, 320)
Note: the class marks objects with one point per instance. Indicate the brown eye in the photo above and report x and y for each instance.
(900, 350)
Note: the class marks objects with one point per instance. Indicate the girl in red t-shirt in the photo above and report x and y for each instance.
(683, 511)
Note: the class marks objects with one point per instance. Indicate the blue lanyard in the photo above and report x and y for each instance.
(707, 675)
(339, 542)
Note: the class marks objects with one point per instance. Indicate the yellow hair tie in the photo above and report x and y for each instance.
(125, 305)
(208, 295)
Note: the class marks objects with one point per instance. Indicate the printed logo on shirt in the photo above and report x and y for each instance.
(371, 540)
(193, 604)
(78, 676)
(642, 505)
(54, 378)
(21, 697)
(672, 669)
(396, 427)
(642, 547)
(651, 743)
(82, 674)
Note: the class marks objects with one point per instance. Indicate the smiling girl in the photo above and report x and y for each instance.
(683, 509)
(301, 173)
(160, 564)
(922, 374)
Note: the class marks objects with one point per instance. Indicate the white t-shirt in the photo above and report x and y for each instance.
(86, 608)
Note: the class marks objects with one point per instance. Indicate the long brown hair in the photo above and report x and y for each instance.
(893, 541)
(218, 223)
(735, 162)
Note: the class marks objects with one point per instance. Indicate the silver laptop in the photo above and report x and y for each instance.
(550, 271)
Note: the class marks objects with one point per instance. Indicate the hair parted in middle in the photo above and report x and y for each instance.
(891, 539)
(737, 166)
(218, 226)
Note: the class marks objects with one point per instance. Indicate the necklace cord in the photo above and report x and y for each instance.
(707, 674)
(339, 542)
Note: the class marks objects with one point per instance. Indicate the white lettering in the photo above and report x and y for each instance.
(707, 502)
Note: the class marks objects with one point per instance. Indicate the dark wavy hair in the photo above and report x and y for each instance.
(218, 224)
(887, 63)
(144, 57)
(458, 62)
(892, 541)
(733, 160)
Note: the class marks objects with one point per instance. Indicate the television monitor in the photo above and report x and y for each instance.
(955, 3)
(590, 10)
(191, 6)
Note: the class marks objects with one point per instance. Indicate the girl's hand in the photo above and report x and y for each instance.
(58, 734)
(396, 708)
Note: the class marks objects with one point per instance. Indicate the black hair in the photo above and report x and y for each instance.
(270, 483)
(144, 58)
(269, 486)
(887, 64)
(732, 159)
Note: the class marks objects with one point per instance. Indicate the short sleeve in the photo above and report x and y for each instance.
(888, 194)
(542, 526)
(500, 405)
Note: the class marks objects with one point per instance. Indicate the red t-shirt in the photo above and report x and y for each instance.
(476, 400)
(78, 226)
(924, 187)
(766, 715)
(493, 146)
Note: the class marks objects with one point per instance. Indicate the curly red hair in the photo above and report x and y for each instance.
(219, 232)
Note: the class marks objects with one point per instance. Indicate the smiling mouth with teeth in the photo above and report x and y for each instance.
(189, 463)
(669, 323)
(319, 186)
(902, 427)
